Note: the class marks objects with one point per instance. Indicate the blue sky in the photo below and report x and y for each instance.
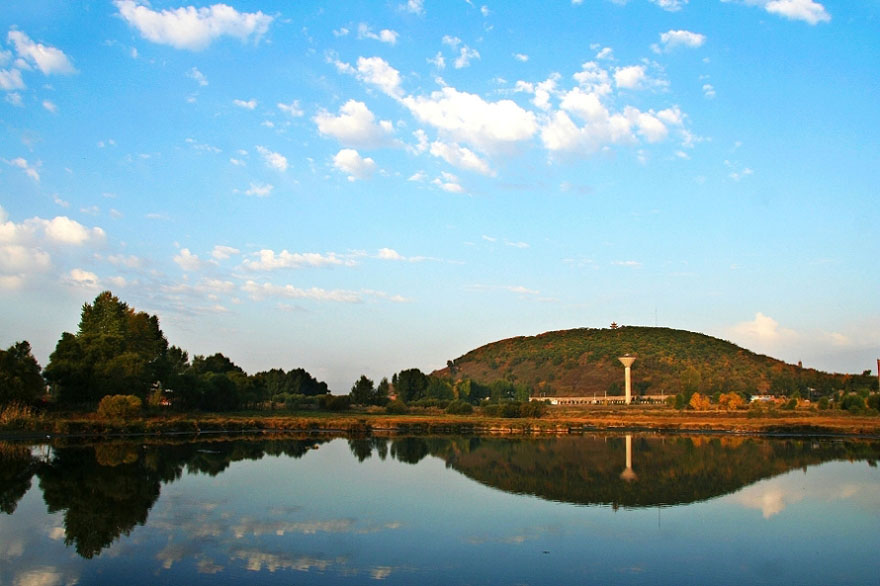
(362, 187)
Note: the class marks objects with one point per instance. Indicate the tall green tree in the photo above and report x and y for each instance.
(363, 392)
(411, 385)
(20, 378)
(116, 349)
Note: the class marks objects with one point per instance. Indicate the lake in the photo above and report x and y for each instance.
(598, 509)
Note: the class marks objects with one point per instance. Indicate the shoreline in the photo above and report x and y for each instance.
(806, 424)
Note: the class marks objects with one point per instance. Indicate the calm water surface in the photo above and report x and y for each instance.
(571, 510)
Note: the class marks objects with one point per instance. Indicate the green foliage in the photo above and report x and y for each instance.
(584, 362)
(115, 347)
(20, 378)
(334, 402)
(363, 392)
(853, 403)
(119, 406)
(873, 402)
(824, 404)
(411, 385)
(515, 409)
(396, 407)
(459, 408)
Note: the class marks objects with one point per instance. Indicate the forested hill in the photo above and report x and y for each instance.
(582, 362)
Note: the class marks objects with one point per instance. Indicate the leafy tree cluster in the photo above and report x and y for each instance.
(20, 378)
(118, 350)
(115, 348)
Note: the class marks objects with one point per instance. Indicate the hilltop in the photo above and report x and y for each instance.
(581, 362)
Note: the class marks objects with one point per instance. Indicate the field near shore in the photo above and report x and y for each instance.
(558, 420)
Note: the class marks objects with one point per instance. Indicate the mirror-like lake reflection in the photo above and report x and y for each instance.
(440, 510)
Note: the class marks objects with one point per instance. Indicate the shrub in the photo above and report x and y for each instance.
(396, 407)
(852, 403)
(334, 402)
(532, 409)
(119, 406)
(823, 403)
(459, 408)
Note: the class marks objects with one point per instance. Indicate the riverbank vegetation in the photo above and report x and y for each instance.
(118, 372)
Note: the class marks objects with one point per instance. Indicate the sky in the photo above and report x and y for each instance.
(363, 187)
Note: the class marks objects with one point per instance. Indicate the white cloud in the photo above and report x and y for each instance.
(464, 57)
(355, 125)
(631, 77)
(606, 53)
(451, 41)
(384, 36)
(680, 38)
(190, 27)
(274, 160)
(762, 329)
(292, 109)
(247, 105)
(10, 79)
(389, 254)
(63, 230)
(22, 164)
(260, 189)
(448, 182)
(221, 252)
(414, 6)
(671, 5)
(350, 162)
(520, 290)
(188, 261)
(593, 79)
(521, 57)
(805, 10)
(461, 157)
(418, 176)
(257, 292)
(377, 71)
(465, 117)
(709, 90)
(269, 260)
(198, 76)
(632, 264)
(18, 259)
(49, 60)
(82, 278)
(130, 261)
(50, 106)
(438, 61)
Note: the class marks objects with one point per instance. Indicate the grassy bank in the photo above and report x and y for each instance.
(556, 421)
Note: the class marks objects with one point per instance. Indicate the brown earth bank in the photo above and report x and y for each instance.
(558, 421)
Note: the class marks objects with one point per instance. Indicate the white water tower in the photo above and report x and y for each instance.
(627, 362)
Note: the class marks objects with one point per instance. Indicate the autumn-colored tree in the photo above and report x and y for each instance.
(731, 401)
(699, 403)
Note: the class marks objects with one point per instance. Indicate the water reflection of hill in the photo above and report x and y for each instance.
(667, 470)
(106, 489)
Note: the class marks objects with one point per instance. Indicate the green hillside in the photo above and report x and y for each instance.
(581, 362)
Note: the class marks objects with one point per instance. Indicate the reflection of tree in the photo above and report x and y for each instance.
(99, 502)
(17, 466)
(409, 450)
(672, 470)
(361, 448)
(108, 489)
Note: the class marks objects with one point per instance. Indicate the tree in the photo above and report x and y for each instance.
(383, 391)
(731, 401)
(363, 392)
(115, 348)
(411, 385)
(20, 378)
(699, 403)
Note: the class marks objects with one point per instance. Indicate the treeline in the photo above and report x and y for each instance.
(413, 388)
(119, 351)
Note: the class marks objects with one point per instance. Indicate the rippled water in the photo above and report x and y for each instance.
(586, 510)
